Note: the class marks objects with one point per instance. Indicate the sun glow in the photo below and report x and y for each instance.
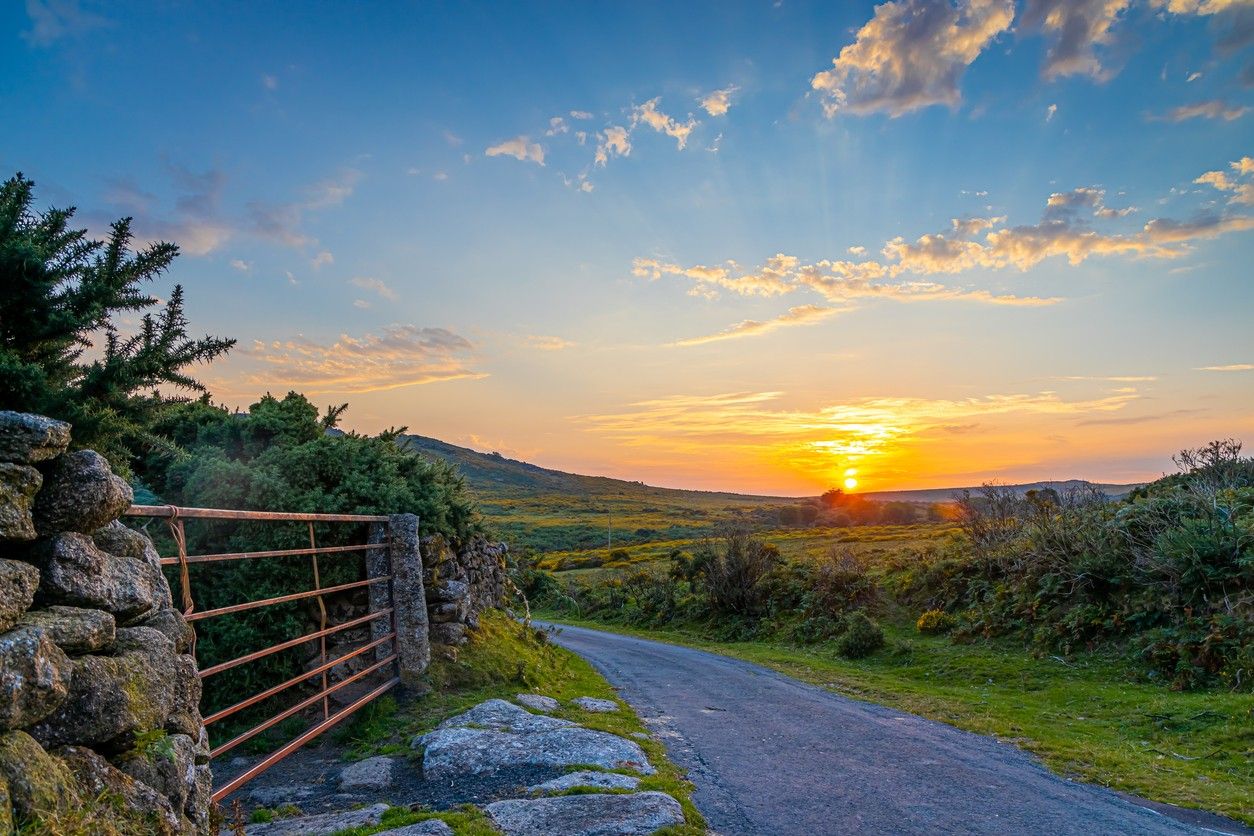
(850, 483)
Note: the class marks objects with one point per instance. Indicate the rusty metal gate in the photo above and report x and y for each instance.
(382, 636)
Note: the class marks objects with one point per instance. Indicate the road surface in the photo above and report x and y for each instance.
(770, 755)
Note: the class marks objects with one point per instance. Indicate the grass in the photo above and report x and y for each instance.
(1084, 717)
(503, 659)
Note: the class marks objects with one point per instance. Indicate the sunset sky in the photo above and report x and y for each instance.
(761, 247)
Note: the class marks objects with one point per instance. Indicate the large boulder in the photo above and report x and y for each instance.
(370, 774)
(145, 687)
(35, 677)
(500, 715)
(596, 814)
(74, 571)
(80, 493)
(6, 807)
(39, 784)
(117, 538)
(26, 438)
(132, 806)
(74, 630)
(323, 824)
(18, 486)
(586, 779)
(18, 582)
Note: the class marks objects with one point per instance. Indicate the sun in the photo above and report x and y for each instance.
(850, 483)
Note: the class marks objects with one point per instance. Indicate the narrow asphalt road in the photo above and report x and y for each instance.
(771, 755)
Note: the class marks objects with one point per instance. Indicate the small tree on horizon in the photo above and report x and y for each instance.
(62, 352)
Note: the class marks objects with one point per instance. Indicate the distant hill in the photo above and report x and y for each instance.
(1114, 491)
(494, 475)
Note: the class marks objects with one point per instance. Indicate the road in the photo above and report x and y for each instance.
(770, 755)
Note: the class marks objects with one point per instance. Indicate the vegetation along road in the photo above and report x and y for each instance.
(771, 755)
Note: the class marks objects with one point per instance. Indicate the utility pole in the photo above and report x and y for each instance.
(609, 531)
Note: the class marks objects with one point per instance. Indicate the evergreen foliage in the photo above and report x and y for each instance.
(63, 352)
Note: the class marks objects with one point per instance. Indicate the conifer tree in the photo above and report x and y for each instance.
(63, 352)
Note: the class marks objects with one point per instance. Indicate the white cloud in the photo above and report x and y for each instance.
(402, 355)
(613, 141)
(547, 343)
(1077, 30)
(322, 259)
(376, 285)
(241, 265)
(648, 114)
(361, 303)
(1050, 111)
(520, 148)
(911, 54)
(557, 125)
(270, 82)
(1211, 109)
(799, 315)
(580, 114)
(53, 20)
(1231, 367)
(1238, 183)
(718, 102)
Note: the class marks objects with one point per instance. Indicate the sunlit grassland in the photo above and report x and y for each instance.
(870, 542)
(1086, 717)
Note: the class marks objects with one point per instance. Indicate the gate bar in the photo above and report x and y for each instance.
(224, 514)
(283, 599)
(212, 558)
(259, 654)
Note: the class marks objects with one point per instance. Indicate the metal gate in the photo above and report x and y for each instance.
(382, 636)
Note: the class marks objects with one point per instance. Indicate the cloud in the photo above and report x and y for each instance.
(1211, 109)
(580, 114)
(1050, 111)
(520, 148)
(1231, 367)
(800, 315)
(718, 102)
(1066, 230)
(557, 125)
(374, 285)
(850, 431)
(241, 265)
(648, 114)
(54, 20)
(269, 82)
(1076, 31)
(911, 54)
(282, 222)
(402, 355)
(195, 221)
(547, 343)
(613, 141)
(1127, 378)
(1239, 183)
(361, 303)
(322, 259)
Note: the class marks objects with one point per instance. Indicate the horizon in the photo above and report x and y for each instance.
(766, 249)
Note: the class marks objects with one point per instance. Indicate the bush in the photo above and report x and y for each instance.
(935, 622)
(732, 577)
(861, 636)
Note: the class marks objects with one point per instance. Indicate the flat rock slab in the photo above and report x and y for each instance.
(370, 774)
(500, 715)
(430, 827)
(587, 778)
(460, 751)
(595, 705)
(538, 702)
(321, 825)
(587, 815)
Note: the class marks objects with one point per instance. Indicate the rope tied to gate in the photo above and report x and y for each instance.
(175, 523)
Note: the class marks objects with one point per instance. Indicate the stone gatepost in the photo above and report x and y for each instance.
(409, 601)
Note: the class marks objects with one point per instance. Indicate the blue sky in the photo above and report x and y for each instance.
(764, 247)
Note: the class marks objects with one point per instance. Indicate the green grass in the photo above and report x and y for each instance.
(503, 659)
(1084, 717)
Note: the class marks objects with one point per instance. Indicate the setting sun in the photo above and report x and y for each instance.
(850, 483)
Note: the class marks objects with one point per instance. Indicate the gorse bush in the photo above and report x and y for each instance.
(934, 622)
(860, 636)
(284, 456)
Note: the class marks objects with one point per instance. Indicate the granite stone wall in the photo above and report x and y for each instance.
(459, 585)
(100, 727)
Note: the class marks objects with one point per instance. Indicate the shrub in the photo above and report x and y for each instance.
(934, 622)
(861, 636)
(732, 577)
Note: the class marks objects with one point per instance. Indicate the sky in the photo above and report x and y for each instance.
(766, 247)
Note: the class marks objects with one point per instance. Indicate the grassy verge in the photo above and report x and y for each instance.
(1083, 716)
(502, 660)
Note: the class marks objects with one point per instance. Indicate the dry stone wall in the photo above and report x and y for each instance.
(460, 585)
(100, 727)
